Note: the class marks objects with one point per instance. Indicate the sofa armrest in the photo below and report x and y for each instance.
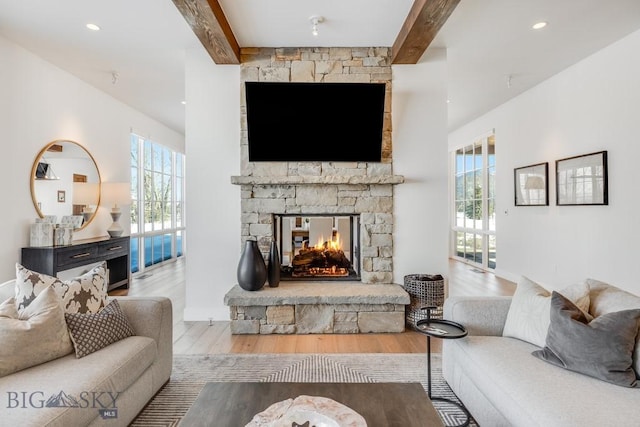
(152, 317)
(480, 315)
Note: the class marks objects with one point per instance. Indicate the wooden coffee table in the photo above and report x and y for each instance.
(381, 404)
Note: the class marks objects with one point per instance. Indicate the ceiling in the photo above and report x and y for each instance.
(138, 56)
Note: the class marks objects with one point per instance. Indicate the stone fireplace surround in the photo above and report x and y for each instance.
(375, 304)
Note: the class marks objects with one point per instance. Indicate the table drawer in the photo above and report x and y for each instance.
(113, 249)
(76, 255)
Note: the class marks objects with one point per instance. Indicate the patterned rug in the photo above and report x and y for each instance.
(191, 372)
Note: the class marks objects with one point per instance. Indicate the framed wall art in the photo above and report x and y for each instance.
(531, 184)
(582, 180)
(62, 196)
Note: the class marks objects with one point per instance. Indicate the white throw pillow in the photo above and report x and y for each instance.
(529, 314)
(34, 335)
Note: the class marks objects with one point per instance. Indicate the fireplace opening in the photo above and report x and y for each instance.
(319, 246)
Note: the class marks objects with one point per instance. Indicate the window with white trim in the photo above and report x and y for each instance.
(157, 208)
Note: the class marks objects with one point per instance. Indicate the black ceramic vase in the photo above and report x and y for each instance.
(252, 271)
(274, 265)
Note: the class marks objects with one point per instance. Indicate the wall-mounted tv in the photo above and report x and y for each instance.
(328, 122)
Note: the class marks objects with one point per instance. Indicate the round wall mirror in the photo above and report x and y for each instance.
(65, 184)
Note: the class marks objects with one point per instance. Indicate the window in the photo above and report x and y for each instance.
(474, 225)
(157, 208)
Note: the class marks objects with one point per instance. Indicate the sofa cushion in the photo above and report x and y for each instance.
(528, 391)
(83, 294)
(94, 381)
(92, 331)
(602, 348)
(34, 335)
(528, 316)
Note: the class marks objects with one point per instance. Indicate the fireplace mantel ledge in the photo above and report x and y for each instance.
(333, 179)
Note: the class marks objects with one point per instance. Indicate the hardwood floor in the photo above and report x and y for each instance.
(215, 337)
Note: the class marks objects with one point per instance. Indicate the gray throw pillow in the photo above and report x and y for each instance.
(602, 348)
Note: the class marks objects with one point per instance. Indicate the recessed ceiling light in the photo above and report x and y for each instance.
(93, 27)
(539, 25)
(184, 102)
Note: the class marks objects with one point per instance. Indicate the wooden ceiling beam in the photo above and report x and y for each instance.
(208, 22)
(425, 19)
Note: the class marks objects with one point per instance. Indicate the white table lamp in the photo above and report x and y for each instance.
(116, 193)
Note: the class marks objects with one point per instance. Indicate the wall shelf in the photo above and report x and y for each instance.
(317, 180)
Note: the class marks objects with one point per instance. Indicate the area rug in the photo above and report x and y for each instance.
(191, 372)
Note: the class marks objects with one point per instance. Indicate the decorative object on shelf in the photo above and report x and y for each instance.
(62, 234)
(252, 270)
(51, 219)
(41, 233)
(85, 195)
(118, 193)
(582, 180)
(274, 265)
(531, 185)
(74, 221)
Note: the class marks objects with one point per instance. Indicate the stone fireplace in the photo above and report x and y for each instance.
(270, 191)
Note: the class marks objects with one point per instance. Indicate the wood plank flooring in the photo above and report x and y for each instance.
(215, 337)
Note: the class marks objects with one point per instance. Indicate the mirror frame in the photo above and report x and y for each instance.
(32, 179)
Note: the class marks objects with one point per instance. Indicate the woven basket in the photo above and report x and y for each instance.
(424, 290)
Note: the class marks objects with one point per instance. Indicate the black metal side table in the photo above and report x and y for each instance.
(445, 329)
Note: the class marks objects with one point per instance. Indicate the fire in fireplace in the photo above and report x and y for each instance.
(318, 247)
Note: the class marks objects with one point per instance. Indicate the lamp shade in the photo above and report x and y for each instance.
(85, 193)
(534, 182)
(116, 193)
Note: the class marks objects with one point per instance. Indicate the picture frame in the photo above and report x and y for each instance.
(62, 196)
(582, 180)
(531, 185)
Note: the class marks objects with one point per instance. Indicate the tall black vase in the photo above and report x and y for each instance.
(274, 265)
(252, 271)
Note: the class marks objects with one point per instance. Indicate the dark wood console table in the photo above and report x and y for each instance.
(53, 259)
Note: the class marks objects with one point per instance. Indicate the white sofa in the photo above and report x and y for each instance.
(503, 384)
(131, 371)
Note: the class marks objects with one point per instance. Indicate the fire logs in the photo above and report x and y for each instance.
(323, 261)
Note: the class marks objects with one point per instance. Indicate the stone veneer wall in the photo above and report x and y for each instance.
(322, 187)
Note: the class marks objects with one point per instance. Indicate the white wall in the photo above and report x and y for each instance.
(213, 138)
(213, 203)
(591, 106)
(41, 103)
(420, 154)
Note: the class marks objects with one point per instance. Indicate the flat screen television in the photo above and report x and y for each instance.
(328, 122)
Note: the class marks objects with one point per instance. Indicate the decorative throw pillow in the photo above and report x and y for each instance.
(528, 316)
(83, 294)
(92, 331)
(602, 348)
(34, 335)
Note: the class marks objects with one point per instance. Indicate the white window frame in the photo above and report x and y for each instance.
(485, 232)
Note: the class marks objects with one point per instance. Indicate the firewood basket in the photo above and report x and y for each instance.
(425, 290)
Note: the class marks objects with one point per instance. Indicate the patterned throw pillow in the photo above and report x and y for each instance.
(34, 335)
(90, 332)
(82, 294)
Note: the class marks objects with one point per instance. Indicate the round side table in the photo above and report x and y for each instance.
(445, 329)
